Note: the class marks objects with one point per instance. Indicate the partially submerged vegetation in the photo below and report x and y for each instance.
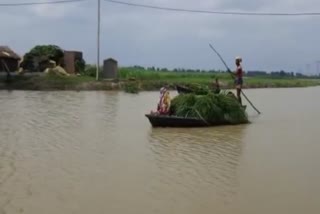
(131, 87)
(211, 108)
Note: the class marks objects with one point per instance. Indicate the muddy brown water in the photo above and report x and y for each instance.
(95, 152)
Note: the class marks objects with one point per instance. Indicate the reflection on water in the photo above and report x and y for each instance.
(198, 161)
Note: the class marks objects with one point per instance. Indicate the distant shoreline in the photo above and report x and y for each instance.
(83, 83)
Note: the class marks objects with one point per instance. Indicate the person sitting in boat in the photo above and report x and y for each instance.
(164, 102)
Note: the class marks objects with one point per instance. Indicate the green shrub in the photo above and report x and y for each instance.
(131, 87)
(90, 71)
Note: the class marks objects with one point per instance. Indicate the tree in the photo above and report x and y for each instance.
(164, 69)
(282, 73)
(38, 57)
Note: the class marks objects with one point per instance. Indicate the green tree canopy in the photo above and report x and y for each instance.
(38, 57)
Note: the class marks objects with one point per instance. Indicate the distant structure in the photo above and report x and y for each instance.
(9, 60)
(70, 59)
(110, 69)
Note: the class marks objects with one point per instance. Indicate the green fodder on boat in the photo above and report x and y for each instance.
(212, 108)
(198, 89)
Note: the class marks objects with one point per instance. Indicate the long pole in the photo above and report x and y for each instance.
(228, 69)
(98, 41)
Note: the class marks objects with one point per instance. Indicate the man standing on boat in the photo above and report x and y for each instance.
(238, 78)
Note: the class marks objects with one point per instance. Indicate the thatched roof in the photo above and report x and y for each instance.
(6, 52)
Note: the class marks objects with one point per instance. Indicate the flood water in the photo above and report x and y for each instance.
(95, 152)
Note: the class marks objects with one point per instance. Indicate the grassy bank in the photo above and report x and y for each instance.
(155, 79)
(133, 79)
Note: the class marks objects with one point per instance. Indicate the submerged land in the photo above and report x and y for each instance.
(135, 79)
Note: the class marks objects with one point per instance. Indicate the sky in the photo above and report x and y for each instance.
(140, 36)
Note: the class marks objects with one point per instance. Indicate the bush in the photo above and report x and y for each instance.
(80, 65)
(90, 71)
(131, 87)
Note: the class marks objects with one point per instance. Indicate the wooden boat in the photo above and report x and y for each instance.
(157, 120)
(174, 121)
(180, 122)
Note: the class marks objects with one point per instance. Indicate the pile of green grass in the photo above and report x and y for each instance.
(212, 108)
(199, 89)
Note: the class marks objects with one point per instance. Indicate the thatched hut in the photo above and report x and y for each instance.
(9, 60)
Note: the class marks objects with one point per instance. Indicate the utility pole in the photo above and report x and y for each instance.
(98, 41)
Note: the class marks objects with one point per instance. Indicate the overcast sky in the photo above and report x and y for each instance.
(139, 36)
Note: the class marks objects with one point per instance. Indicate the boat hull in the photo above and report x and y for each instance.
(174, 121)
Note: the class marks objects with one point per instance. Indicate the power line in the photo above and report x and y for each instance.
(213, 12)
(38, 3)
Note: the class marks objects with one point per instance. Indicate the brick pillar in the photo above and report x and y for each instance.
(70, 58)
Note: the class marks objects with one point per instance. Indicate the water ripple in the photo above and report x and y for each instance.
(193, 160)
(47, 135)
